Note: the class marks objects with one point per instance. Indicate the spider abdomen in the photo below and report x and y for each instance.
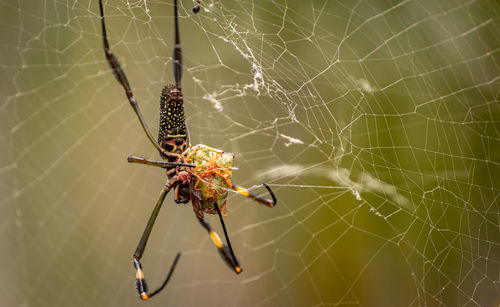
(172, 128)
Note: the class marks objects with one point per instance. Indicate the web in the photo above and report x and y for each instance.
(376, 123)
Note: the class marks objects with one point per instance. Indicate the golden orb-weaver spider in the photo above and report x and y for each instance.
(199, 174)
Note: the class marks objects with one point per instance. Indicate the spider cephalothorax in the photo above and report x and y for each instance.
(199, 174)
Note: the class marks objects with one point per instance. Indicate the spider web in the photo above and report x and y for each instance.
(376, 123)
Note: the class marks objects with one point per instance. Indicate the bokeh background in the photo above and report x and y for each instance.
(376, 123)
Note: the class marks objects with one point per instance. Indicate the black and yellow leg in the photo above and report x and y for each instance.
(120, 76)
(257, 198)
(140, 281)
(226, 251)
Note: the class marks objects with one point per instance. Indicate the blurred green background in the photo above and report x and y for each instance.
(376, 123)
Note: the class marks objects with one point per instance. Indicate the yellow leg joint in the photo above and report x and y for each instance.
(139, 274)
(241, 191)
(215, 238)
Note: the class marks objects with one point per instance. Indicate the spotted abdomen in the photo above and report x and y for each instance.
(172, 130)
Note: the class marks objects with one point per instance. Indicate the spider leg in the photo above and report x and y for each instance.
(177, 51)
(225, 234)
(226, 251)
(257, 198)
(188, 139)
(140, 281)
(122, 79)
(162, 164)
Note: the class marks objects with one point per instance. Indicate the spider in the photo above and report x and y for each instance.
(198, 174)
